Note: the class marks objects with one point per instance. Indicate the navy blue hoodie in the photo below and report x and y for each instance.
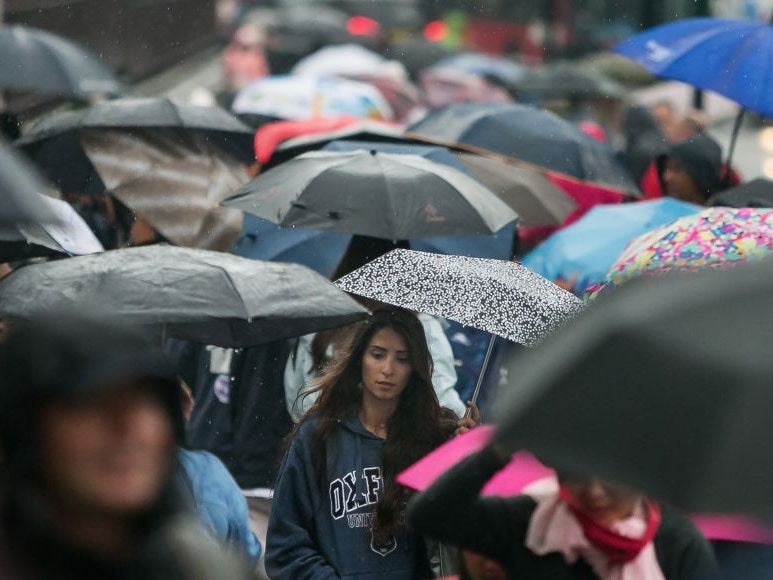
(325, 532)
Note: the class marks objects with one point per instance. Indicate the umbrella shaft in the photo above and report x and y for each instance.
(482, 374)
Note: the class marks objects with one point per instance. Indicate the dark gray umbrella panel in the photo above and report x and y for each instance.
(395, 197)
(198, 295)
(41, 62)
(500, 297)
(665, 384)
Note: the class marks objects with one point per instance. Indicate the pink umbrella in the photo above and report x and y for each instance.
(524, 469)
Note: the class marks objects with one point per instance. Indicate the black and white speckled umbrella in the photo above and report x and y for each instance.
(500, 297)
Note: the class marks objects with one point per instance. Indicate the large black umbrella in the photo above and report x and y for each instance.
(755, 193)
(41, 62)
(55, 142)
(665, 384)
(204, 296)
(395, 197)
(20, 185)
(568, 81)
(532, 135)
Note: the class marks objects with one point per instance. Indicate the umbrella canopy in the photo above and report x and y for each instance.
(528, 134)
(497, 296)
(174, 182)
(432, 152)
(663, 385)
(41, 62)
(502, 70)
(714, 238)
(582, 253)
(65, 234)
(416, 53)
(340, 60)
(755, 193)
(730, 57)
(395, 197)
(208, 297)
(296, 97)
(55, 144)
(444, 86)
(19, 187)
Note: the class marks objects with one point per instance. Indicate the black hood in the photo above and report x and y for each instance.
(644, 140)
(69, 357)
(701, 158)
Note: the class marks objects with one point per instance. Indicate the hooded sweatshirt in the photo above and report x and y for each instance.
(324, 531)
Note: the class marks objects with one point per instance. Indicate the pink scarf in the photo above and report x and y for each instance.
(554, 528)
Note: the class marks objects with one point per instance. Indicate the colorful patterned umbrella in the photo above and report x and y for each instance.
(714, 238)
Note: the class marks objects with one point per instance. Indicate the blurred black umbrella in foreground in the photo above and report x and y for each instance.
(20, 185)
(395, 197)
(65, 235)
(665, 384)
(41, 62)
(207, 297)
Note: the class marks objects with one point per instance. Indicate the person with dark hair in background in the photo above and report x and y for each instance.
(338, 511)
(692, 169)
(89, 422)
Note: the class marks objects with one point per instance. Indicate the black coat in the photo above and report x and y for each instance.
(241, 418)
(452, 511)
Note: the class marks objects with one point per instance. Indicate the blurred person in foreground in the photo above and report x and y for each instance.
(584, 528)
(89, 422)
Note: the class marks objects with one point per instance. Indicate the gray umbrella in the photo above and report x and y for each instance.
(67, 234)
(38, 61)
(208, 297)
(395, 197)
(19, 187)
(500, 297)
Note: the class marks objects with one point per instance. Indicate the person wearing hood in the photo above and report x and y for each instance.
(89, 422)
(337, 511)
(692, 170)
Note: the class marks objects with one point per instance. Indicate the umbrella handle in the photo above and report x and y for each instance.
(482, 374)
(731, 150)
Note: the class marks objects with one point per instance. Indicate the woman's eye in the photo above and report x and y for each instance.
(403, 360)
(376, 354)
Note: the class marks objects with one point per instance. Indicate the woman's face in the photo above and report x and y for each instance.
(386, 366)
(607, 503)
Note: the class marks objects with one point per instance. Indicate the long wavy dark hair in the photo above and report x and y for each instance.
(418, 425)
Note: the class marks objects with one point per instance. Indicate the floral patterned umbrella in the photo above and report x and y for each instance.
(714, 238)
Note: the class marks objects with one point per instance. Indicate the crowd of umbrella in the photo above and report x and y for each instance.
(661, 358)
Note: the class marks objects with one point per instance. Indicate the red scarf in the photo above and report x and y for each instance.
(619, 549)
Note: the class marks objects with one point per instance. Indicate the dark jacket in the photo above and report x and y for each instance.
(323, 531)
(644, 140)
(452, 511)
(241, 417)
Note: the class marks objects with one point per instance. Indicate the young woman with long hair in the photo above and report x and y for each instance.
(337, 510)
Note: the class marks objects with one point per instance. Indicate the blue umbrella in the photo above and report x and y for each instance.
(500, 69)
(731, 57)
(321, 251)
(583, 252)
